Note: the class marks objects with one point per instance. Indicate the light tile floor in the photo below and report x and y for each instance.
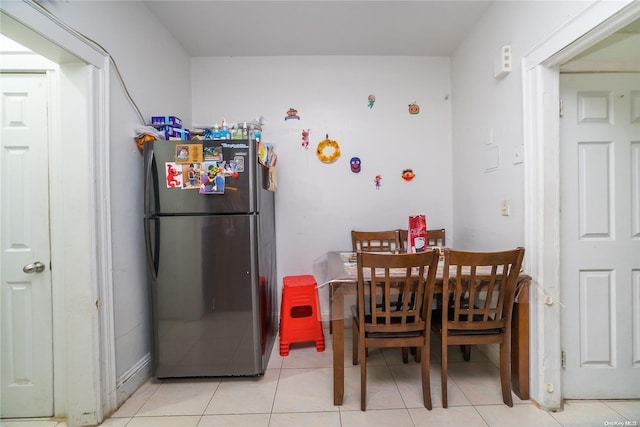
(297, 390)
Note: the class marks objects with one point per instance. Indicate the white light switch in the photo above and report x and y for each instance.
(518, 154)
(506, 208)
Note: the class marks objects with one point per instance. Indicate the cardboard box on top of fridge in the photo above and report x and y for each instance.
(178, 133)
(173, 121)
(171, 132)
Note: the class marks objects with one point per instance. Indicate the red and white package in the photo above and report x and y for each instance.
(417, 233)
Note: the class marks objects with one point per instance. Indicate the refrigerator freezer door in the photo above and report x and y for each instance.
(162, 197)
(205, 297)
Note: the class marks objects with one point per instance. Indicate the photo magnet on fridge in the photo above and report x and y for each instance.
(212, 180)
(191, 176)
(189, 153)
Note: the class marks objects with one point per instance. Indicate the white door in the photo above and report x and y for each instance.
(600, 235)
(26, 304)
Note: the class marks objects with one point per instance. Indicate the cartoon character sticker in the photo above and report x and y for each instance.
(173, 175)
(372, 100)
(408, 174)
(378, 181)
(305, 138)
(212, 179)
(356, 164)
(230, 168)
(292, 113)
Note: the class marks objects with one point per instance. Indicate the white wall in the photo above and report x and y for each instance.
(478, 195)
(318, 204)
(484, 106)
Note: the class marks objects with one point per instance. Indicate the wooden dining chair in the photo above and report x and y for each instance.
(481, 287)
(371, 241)
(409, 279)
(375, 241)
(435, 237)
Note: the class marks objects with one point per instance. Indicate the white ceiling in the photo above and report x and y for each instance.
(353, 27)
(307, 27)
(356, 27)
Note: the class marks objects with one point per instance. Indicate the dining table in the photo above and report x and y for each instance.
(340, 274)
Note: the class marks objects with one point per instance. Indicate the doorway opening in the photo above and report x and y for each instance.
(83, 361)
(542, 183)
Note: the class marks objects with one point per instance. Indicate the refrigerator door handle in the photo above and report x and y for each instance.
(150, 180)
(152, 264)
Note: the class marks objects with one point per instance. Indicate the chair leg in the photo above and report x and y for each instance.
(443, 357)
(418, 355)
(466, 352)
(405, 354)
(426, 378)
(505, 374)
(363, 377)
(354, 340)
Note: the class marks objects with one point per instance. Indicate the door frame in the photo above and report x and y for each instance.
(541, 124)
(84, 387)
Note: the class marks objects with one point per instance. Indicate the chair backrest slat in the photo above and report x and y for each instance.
(375, 241)
(435, 237)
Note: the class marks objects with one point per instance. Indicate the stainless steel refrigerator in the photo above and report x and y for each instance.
(211, 261)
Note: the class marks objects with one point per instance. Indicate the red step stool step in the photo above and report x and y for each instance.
(300, 313)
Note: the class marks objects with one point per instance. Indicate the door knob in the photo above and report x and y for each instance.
(36, 267)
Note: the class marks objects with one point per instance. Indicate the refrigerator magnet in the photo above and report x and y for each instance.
(212, 178)
(191, 176)
(230, 168)
(239, 160)
(173, 175)
(212, 153)
(182, 153)
(188, 153)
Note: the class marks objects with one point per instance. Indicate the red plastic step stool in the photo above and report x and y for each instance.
(300, 313)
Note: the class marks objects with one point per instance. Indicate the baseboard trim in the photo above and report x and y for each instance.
(133, 378)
